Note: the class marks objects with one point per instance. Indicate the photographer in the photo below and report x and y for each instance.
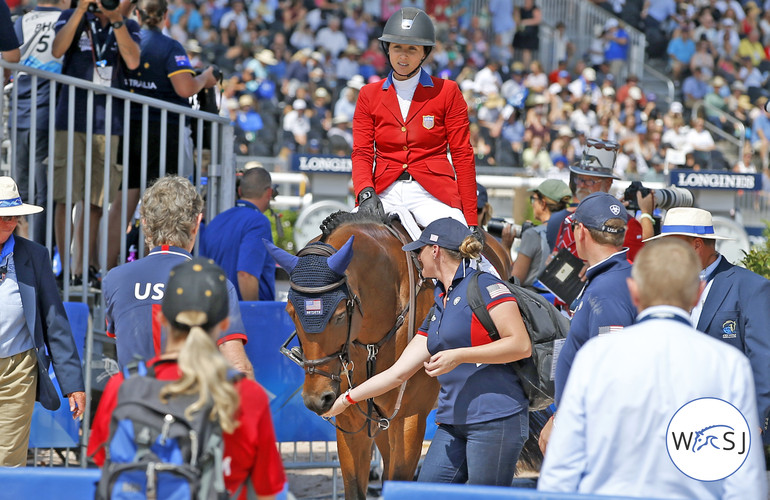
(99, 45)
(550, 196)
(164, 73)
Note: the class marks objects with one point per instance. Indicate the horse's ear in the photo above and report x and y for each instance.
(281, 256)
(341, 260)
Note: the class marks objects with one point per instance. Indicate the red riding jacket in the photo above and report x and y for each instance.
(384, 145)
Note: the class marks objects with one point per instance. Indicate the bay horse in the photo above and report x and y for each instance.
(356, 300)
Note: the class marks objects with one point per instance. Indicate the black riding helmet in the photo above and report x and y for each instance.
(409, 26)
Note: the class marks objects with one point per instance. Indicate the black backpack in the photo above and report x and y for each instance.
(155, 451)
(547, 329)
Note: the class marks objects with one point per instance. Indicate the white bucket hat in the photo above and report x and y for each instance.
(10, 201)
(688, 221)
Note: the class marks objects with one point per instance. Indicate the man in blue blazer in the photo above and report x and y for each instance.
(34, 332)
(735, 306)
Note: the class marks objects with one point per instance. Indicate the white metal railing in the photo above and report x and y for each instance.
(219, 189)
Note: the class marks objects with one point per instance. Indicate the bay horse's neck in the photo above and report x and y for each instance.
(377, 274)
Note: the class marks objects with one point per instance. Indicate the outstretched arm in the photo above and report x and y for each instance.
(411, 360)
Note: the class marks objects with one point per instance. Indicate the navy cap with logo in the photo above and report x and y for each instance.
(598, 208)
(446, 233)
(196, 285)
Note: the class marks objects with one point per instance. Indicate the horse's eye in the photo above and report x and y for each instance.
(339, 318)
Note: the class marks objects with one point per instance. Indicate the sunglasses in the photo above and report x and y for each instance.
(9, 218)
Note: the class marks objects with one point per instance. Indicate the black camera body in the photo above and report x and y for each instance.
(107, 4)
(496, 225)
(629, 194)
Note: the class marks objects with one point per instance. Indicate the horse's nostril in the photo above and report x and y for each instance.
(328, 398)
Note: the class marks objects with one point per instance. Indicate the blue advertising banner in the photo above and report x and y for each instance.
(322, 164)
(715, 180)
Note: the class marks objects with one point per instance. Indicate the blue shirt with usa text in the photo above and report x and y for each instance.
(604, 307)
(133, 293)
(471, 392)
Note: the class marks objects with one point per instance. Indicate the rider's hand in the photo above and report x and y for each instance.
(369, 201)
(478, 234)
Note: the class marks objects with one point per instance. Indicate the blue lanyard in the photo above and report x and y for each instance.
(666, 315)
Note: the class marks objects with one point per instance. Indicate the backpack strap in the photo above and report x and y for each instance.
(135, 367)
(479, 308)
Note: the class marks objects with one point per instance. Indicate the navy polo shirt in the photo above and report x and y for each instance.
(604, 307)
(8, 39)
(470, 393)
(233, 239)
(79, 63)
(162, 58)
(133, 293)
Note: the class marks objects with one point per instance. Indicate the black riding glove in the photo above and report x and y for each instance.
(478, 234)
(369, 201)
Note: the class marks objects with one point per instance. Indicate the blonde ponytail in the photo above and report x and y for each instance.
(204, 371)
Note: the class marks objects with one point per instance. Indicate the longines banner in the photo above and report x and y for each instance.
(322, 164)
(705, 179)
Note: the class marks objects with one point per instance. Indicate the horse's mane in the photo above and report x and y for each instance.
(340, 218)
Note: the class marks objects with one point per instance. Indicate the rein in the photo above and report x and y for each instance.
(373, 413)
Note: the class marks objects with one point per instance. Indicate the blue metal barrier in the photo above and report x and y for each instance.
(268, 326)
(398, 490)
(56, 429)
(48, 482)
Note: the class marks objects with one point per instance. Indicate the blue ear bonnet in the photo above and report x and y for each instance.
(315, 309)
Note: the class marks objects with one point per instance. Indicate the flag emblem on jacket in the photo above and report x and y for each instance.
(428, 121)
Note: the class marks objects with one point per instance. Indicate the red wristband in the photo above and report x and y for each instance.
(350, 400)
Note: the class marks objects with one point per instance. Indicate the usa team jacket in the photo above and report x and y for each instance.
(385, 145)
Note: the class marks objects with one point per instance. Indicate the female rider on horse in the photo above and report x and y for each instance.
(403, 128)
(482, 411)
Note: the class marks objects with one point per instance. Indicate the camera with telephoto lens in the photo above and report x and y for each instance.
(107, 4)
(496, 226)
(664, 198)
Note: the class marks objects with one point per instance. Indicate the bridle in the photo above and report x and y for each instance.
(343, 355)
(351, 303)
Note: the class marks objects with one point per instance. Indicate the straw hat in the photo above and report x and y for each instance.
(744, 102)
(267, 57)
(688, 221)
(357, 82)
(10, 201)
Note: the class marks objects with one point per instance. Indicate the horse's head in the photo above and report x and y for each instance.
(326, 313)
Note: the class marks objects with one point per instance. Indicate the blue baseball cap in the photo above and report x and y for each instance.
(447, 233)
(596, 209)
(481, 196)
